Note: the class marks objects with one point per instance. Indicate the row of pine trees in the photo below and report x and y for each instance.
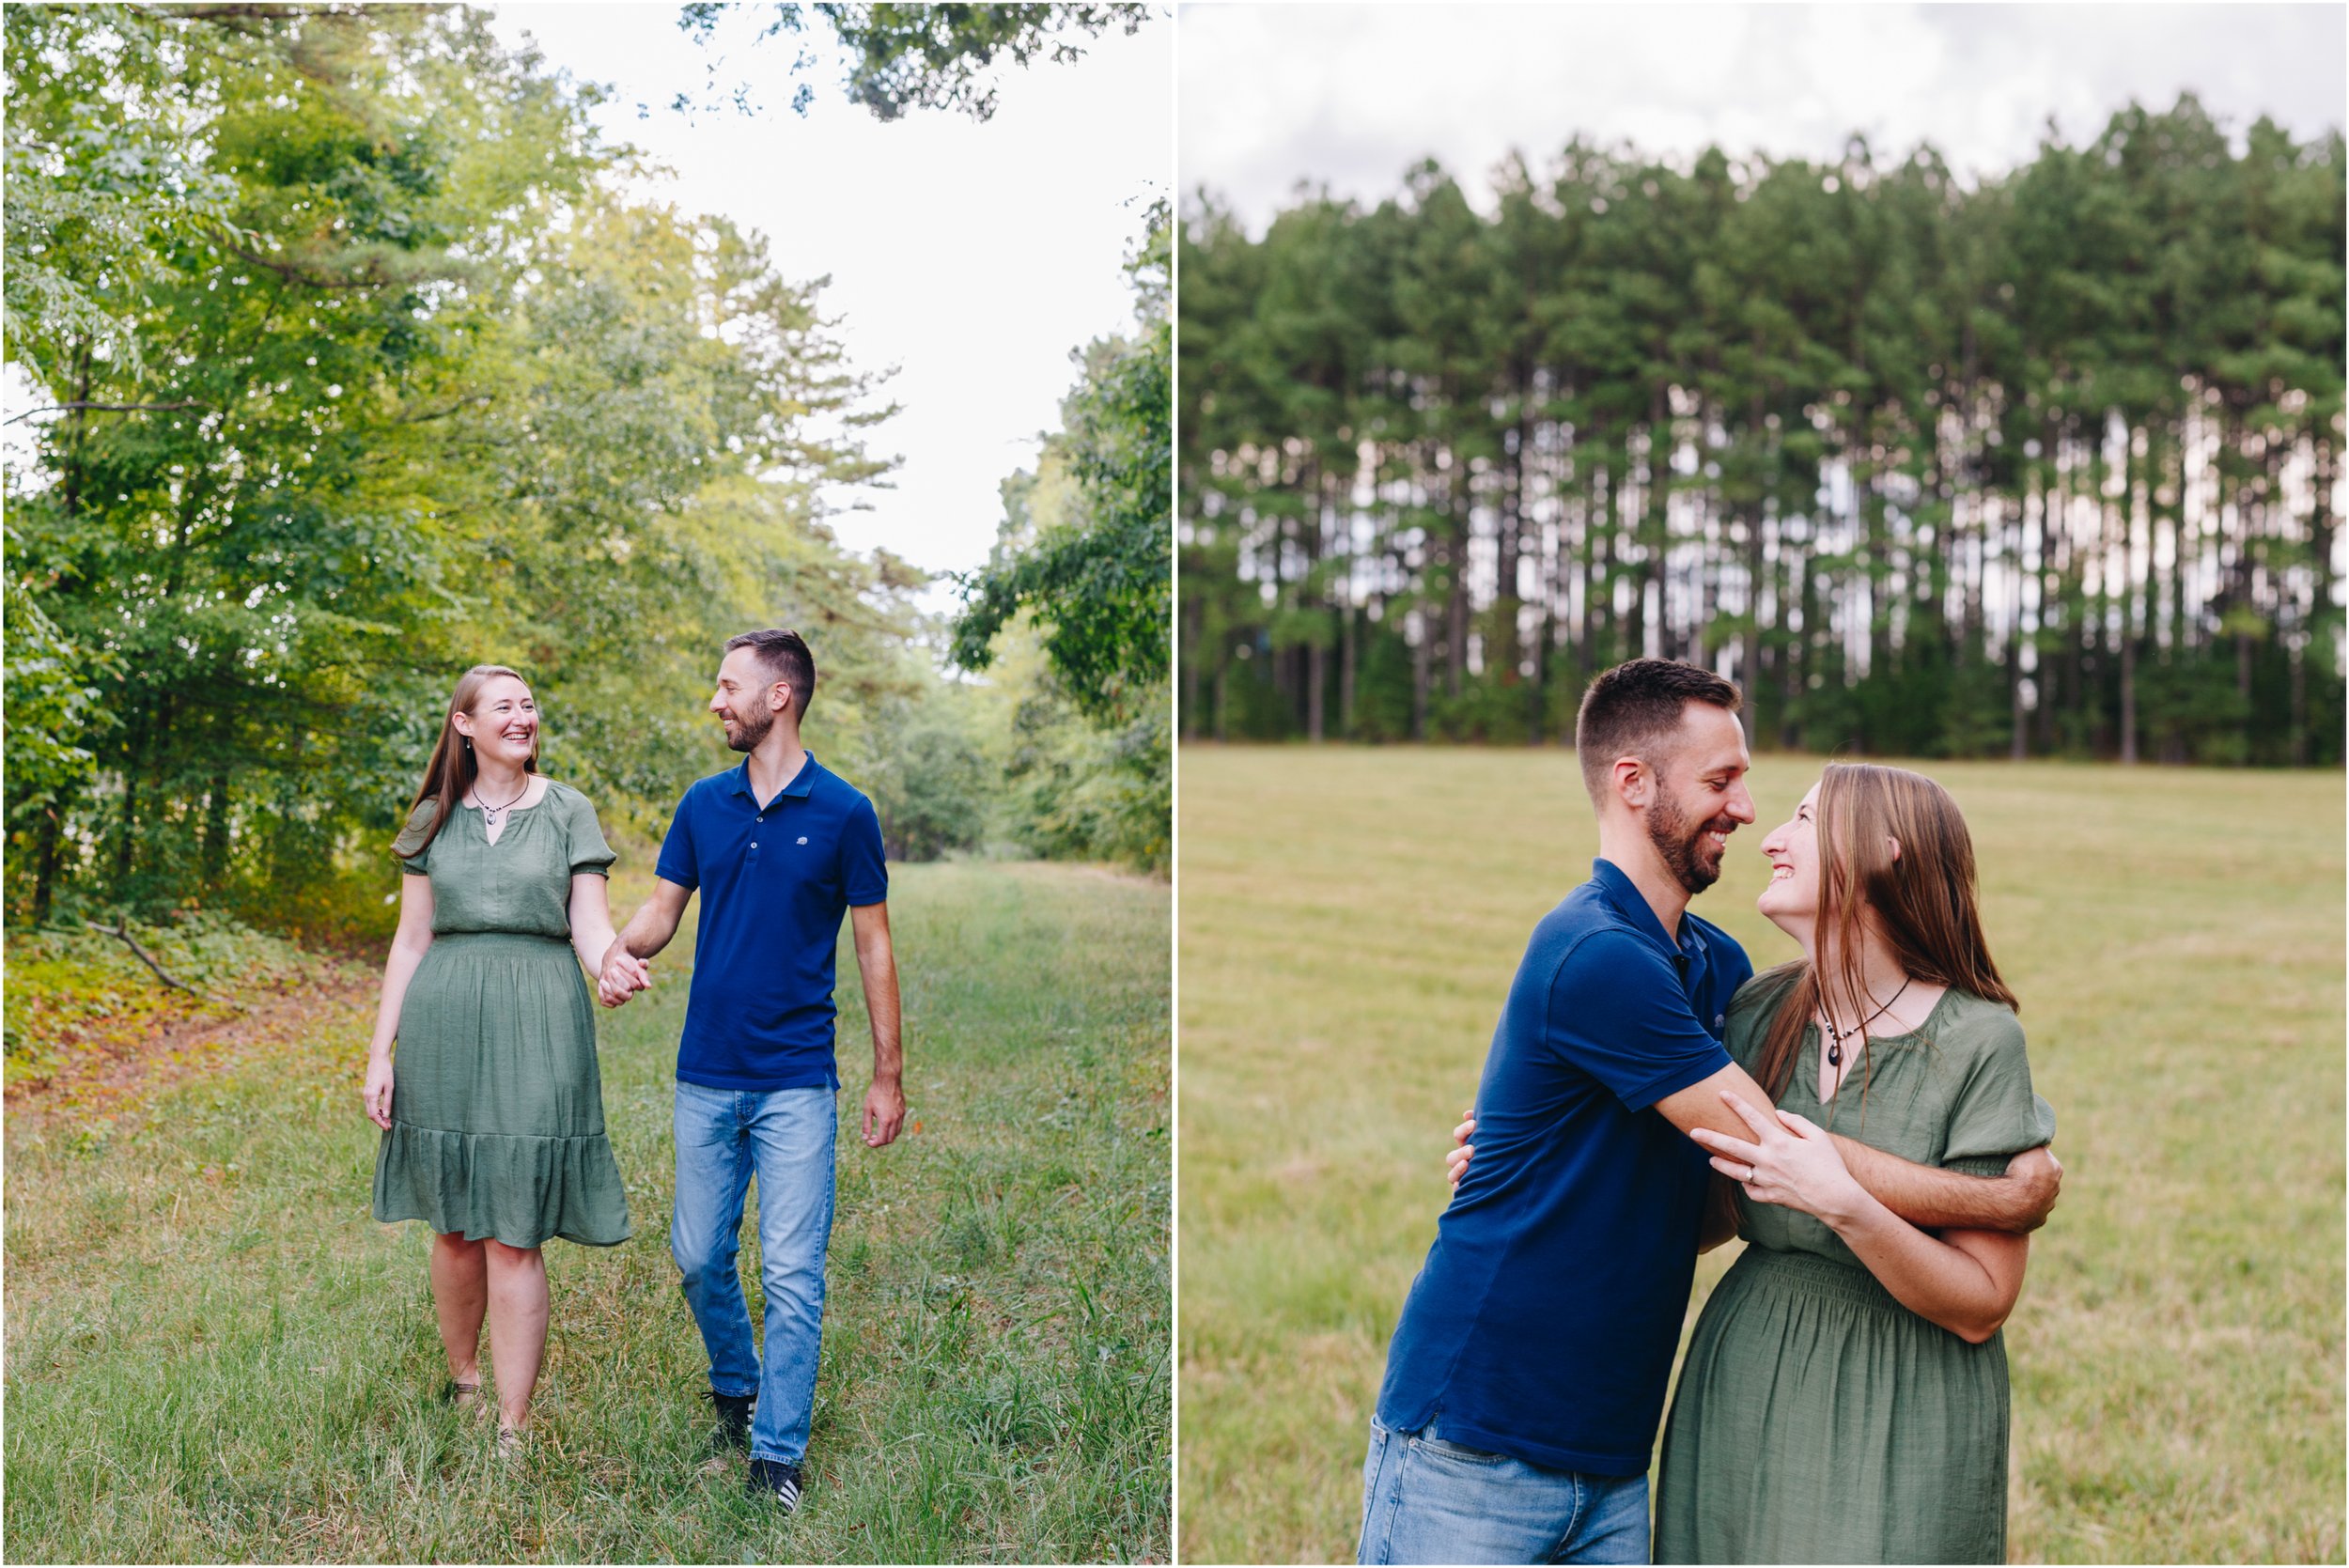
(2044, 465)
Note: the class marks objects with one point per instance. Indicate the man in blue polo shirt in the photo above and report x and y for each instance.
(778, 848)
(1528, 1370)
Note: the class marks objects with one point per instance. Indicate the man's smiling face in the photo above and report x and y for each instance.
(744, 699)
(1700, 795)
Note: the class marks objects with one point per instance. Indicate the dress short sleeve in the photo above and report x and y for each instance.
(588, 850)
(1996, 1115)
(416, 862)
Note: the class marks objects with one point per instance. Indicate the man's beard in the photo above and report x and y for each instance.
(1683, 845)
(747, 733)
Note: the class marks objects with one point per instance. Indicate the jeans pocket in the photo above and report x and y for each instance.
(1427, 1443)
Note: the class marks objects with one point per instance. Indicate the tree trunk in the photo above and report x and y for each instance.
(2133, 487)
(2025, 574)
(1422, 672)
(215, 829)
(1190, 654)
(2317, 643)
(1457, 589)
(1654, 521)
(45, 860)
(129, 825)
(1317, 681)
(1504, 655)
(1349, 641)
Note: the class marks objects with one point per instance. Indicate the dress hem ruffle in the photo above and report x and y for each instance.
(518, 1189)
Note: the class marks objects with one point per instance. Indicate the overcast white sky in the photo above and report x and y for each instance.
(972, 258)
(1351, 96)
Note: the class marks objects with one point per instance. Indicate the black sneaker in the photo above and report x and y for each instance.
(734, 1417)
(773, 1478)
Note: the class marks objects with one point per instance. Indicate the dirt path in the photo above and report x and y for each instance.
(328, 1016)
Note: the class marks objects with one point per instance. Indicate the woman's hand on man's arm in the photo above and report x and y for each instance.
(1965, 1283)
(2017, 1202)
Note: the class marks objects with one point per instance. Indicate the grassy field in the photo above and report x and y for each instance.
(215, 1353)
(1349, 921)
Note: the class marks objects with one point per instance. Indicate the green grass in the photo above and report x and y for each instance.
(215, 1353)
(1349, 921)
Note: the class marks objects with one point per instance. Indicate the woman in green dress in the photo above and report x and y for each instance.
(493, 1109)
(1844, 1394)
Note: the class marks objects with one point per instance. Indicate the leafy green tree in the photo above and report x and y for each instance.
(922, 56)
(2047, 465)
(402, 384)
(1097, 578)
(931, 782)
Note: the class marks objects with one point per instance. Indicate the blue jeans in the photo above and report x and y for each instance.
(1426, 1500)
(725, 1136)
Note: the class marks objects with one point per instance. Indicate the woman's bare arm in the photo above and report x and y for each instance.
(1968, 1283)
(1965, 1281)
(591, 920)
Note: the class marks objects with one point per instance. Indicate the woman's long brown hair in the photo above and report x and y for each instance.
(451, 770)
(1923, 903)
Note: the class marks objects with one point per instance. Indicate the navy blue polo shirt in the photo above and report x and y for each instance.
(1543, 1322)
(774, 883)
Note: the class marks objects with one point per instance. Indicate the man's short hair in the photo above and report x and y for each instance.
(785, 657)
(1635, 710)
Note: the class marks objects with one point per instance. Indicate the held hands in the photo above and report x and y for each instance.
(1792, 1162)
(377, 1096)
(884, 1113)
(622, 976)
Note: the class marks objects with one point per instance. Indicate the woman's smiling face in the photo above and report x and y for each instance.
(1793, 848)
(503, 723)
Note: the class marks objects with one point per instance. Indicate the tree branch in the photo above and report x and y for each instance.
(478, 401)
(122, 928)
(103, 407)
(295, 273)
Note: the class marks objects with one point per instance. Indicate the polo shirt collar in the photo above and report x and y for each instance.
(1626, 898)
(802, 782)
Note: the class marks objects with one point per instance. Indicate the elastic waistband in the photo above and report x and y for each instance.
(1809, 1274)
(520, 940)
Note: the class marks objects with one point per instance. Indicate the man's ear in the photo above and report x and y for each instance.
(779, 696)
(1634, 785)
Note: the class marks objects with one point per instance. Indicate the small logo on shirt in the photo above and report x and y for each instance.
(1719, 1018)
(803, 838)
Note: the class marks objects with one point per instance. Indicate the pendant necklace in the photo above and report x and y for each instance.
(1836, 1036)
(491, 815)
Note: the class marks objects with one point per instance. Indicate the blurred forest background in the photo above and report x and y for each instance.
(2049, 466)
(356, 362)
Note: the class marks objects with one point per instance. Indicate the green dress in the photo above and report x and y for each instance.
(497, 1108)
(1817, 1420)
